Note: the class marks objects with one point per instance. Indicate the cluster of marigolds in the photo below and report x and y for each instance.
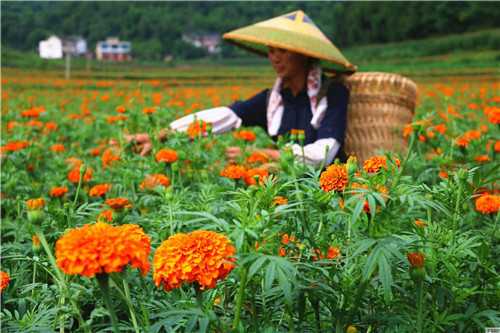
(204, 257)
(201, 257)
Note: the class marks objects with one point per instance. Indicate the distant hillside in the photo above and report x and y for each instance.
(156, 28)
(470, 53)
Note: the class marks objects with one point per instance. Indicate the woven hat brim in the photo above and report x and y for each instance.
(258, 39)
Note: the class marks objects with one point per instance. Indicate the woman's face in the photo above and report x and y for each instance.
(287, 64)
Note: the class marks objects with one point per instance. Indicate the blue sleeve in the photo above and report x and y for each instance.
(252, 111)
(334, 123)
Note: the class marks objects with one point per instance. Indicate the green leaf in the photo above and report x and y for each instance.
(363, 246)
(385, 276)
(285, 285)
(357, 211)
(371, 263)
(269, 276)
(254, 268)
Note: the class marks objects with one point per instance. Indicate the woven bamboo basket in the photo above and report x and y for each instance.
(380, 104)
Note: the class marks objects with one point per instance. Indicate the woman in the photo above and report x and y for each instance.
(302, 98)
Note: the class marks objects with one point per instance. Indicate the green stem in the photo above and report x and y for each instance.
(129, 304)
(61, 279)
(82, 172)
(456, 213)
(493, 235)
(103, 281)
(403, 164)
(61, 318)
(420, 300)
(33, 280)
(240, 297)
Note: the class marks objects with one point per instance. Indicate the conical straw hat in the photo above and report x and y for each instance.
(295, 32)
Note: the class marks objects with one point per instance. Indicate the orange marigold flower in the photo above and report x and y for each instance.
(497, 146)
(245, 135)
(103, 248)
(4, 280)
(334, 178)
(166, 155)
(57, 192)
(252, 176)
(99, 190)
(201, 256)
(34, 112)
(118, 203)
(441, 128)
(493, 114)
(416, 259)
(420, 224)
(149, 110)
(473, 134)
(233, 171)
(15, 145)
(408, 129)
(488, 204)
(462, 142)
(35, 123)
(74, 175)
(279, 200)
(333, 252)
(482, 158)
(152, 181)
(197, 128)
(258, 157)
(57, 148)
(34, 204)
(121, 109)
(374, 164)
(50, 126)
(74, 162)
(95, 151)
(105, 216)
(285, 239)
(109, 157)
(115, 119)
(11, 125)
(281, 251)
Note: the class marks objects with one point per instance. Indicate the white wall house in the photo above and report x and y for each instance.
(51, 48)
(208, 41)
(113, 49)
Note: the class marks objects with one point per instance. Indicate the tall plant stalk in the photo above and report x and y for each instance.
(103, 281)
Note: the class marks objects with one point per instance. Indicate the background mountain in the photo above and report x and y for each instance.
(156, 28)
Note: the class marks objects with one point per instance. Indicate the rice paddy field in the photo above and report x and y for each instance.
(96, 238)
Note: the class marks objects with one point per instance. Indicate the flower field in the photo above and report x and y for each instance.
(96, 237)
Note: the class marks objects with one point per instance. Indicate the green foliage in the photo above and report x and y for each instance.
(162, 24)
(280, 283)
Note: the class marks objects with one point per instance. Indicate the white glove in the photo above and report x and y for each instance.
(222, 118)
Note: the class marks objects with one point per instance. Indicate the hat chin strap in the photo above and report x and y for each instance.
(275, 106)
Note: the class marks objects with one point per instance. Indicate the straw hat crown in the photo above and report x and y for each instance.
(295, 32)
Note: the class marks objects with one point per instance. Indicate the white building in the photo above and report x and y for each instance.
(208, 41)
(113, 49)
(52, 48)
(55, 47)
(75, 45)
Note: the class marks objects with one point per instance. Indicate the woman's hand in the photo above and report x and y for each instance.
(143, 142)
(232, 153)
